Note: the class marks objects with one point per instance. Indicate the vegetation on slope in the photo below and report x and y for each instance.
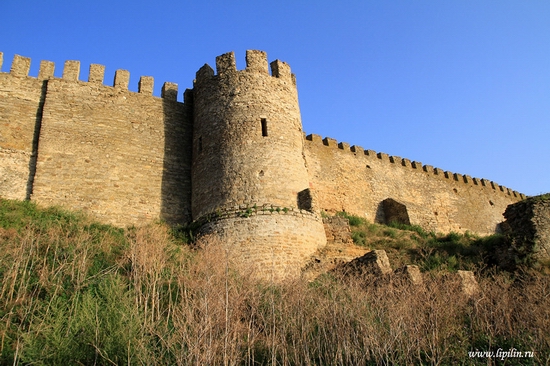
(410, 244)
(77, 292)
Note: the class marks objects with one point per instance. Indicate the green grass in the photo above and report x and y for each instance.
(411, 244)
(18, 215)
(415, 228)
(353, 220)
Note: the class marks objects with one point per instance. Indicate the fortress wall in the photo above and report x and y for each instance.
(121, 156)
(125, 157)
(348, 178)
(269, 243)
(21, 99)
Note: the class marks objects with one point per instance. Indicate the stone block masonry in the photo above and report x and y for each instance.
(361, 182)
(248, 138)
(21, 103)
(337, 230)
(248, 153)
(235, 143)
(274, 244)
(121, 156)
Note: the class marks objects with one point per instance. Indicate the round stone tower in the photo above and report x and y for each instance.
(250, 183)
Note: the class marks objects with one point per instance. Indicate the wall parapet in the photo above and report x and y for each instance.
(417, 166)
(20, 67)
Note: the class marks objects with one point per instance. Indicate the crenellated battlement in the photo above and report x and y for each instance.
(20, 67)
(256, 62)
(71, 71)
(417, 166)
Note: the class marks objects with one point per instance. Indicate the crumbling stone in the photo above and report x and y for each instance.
(337, 230)
(410, 273)
(469, 285)
(375, 263)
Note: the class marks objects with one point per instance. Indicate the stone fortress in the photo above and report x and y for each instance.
(231, 157)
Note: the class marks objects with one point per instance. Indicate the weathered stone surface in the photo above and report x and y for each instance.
(275, 246)
(248, 152)
(236, 161)
(410, 273)
(469, 283)
(358, 182)
(337, 230)
(527, 228)
(21, 103)
(249, 103)
(375, 263)
(122, 157)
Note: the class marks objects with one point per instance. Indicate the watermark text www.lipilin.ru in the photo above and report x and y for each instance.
(501, 354)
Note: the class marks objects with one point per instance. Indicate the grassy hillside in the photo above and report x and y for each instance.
(77, 292)
(406, 244)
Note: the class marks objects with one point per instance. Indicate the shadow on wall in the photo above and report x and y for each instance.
(35, 138)
(305, 201)
(176, 174)
(389, 210)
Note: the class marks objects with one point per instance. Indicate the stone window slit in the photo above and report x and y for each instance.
(264, 127)
(200, 144)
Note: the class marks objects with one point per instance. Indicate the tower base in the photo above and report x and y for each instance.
(274, 245)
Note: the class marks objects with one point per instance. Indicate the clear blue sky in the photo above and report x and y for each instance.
(457, 84)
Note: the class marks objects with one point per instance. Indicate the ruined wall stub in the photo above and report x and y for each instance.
(527, 228)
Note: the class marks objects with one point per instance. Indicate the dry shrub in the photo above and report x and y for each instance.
(193, 300)
(153, 301)
(147, 255)
(513, 313)
(218, 294)
(364, 321)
